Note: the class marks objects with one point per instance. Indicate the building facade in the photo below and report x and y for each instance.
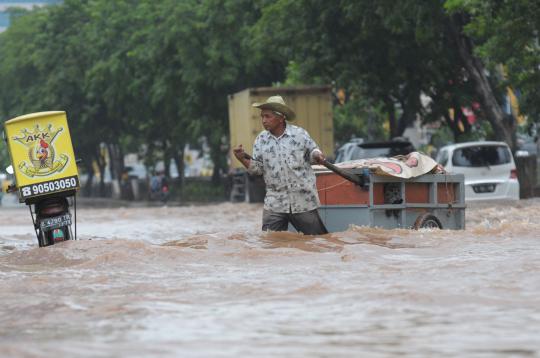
(25, 4)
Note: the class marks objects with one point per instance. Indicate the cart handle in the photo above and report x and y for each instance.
(356, 179)
(249, 157)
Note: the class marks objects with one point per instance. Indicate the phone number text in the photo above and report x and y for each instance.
(50, 187)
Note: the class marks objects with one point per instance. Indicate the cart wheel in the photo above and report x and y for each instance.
(427, 221)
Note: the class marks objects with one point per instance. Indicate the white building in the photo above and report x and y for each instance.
(25, 4)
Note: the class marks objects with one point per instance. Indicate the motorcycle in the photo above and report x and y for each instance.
(45, 173)
(52, 218)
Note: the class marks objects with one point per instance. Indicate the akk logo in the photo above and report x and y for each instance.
(41, 152)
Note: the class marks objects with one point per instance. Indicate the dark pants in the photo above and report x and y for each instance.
(308, 223)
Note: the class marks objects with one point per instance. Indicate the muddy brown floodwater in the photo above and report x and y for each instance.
(204, 281)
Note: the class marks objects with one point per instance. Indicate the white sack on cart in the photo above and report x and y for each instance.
(407, 166)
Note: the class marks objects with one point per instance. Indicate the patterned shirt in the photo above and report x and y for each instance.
(285, 164)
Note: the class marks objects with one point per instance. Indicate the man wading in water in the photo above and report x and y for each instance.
(282, 154)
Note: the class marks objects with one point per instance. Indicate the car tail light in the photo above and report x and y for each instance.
(513, 174)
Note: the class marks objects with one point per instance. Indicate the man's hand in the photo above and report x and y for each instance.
(239, 152)
(242, 156)
(318, 157)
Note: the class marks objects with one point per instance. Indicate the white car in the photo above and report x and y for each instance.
(358, 149)
(489, 169)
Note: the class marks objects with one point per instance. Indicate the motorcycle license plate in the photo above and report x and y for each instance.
(56, 222)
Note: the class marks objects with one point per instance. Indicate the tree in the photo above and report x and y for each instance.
(376, 50)
(215, 55)
(501, 37)
(503, 125)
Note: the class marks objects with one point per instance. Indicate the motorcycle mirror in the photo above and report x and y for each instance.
(9, 169)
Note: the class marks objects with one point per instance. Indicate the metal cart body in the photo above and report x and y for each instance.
(390, 202)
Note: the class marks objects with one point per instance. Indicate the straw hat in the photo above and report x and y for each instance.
(277, 104)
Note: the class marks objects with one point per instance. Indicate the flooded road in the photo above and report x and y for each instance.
(205, 282)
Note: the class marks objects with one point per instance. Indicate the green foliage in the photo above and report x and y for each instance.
(388, 52)
(5, 161)
(507, 33)
(150, 76)
(356, 118)
(200, 191)
(393, 52)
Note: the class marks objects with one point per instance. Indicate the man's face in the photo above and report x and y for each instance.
(270, 120)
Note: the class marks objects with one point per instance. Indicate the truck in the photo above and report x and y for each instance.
(313, 108)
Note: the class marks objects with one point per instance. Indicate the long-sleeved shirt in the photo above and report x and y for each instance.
(285, 164)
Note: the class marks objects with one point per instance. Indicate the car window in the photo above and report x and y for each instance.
(442, 158)
(355, 151)
(346, 152)
(340, 155)
(365, 153)
(372, 153)
(481, 156)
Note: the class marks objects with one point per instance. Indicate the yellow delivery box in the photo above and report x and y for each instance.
(41, 154)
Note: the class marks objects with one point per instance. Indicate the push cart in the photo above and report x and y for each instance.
(427, 201)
